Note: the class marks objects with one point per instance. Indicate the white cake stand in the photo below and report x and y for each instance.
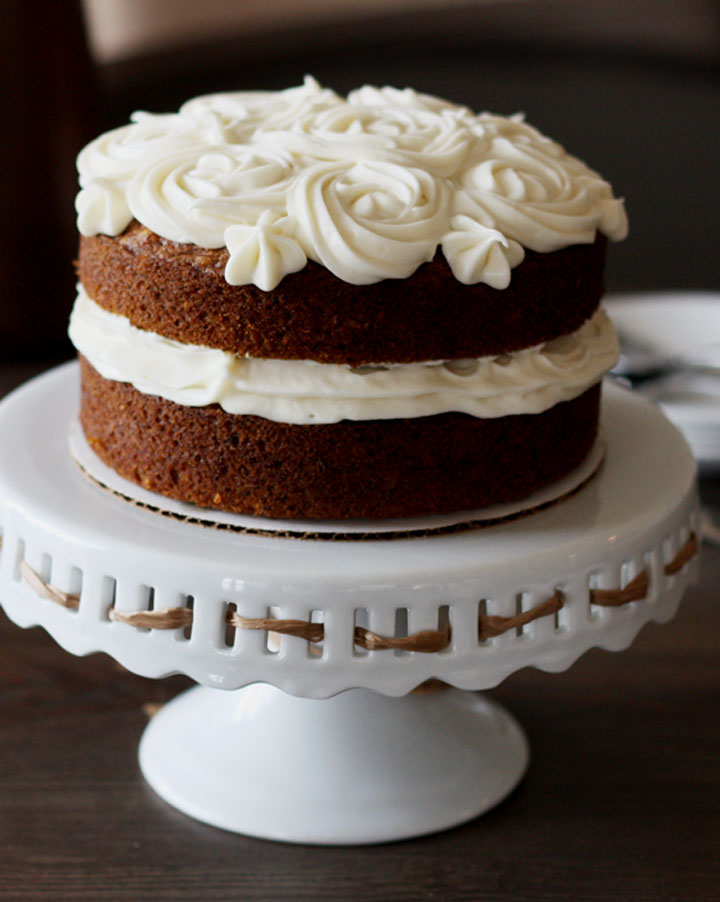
(288, 757)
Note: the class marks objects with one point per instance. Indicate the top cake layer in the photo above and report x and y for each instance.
(178, 291)
(370, 187)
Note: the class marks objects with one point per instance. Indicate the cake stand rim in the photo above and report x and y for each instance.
(156, 522)
(161, 657)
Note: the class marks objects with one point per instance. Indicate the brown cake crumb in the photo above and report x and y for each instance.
(179, 291)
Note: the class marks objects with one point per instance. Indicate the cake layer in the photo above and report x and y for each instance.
(304, 391)
(371, 468)
(180, 291)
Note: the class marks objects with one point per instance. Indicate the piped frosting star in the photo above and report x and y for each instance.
(262, 253)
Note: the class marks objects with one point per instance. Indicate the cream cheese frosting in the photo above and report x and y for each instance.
(304, 391)
(369, 186)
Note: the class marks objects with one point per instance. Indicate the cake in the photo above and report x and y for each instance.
(298, 305)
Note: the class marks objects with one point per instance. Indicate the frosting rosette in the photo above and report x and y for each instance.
(369, 221)
(434, 141)
(405, 98)
(117, 154)
(195, 198)
(108, 164)
(370, 186)
(241, 115)
(102, 207)
(528, 188)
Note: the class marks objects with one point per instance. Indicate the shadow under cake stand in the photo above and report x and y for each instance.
(321, 738)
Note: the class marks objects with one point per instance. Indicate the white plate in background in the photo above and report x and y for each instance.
(674, 329)
(679, 326)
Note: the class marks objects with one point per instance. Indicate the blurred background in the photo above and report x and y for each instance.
(632, 86)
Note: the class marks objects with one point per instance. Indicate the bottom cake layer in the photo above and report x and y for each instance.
(363, 469)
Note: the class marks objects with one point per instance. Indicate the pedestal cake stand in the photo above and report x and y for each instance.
(322, 738)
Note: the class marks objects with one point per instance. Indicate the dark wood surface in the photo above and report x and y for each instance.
(622, 799)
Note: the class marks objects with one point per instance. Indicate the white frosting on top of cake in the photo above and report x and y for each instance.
(369, 186)
(304, 391)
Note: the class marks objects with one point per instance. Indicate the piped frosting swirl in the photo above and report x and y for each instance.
(370, 186)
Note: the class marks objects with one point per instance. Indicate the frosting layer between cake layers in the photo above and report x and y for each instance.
(304, 391)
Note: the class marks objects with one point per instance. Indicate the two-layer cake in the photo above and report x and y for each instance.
(294, 304)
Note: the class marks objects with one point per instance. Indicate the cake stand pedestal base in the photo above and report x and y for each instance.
(357, 768)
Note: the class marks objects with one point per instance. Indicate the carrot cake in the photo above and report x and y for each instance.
(299, 305)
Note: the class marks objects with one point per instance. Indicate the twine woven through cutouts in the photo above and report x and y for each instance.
(424, 641)
(45, 590)
(635, 590)
(490, 625)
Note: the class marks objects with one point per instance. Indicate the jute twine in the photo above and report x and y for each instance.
(424, 641)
